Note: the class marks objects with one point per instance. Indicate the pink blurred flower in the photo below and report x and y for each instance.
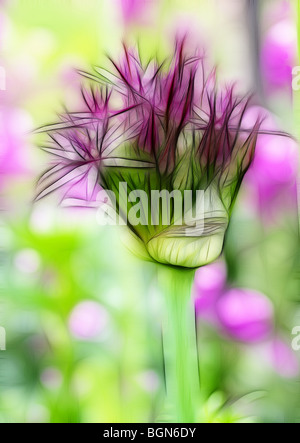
(276, 160)
(245, 315)
(242, 314)
(5, 26)
(88, 320)
(209, 283)
(136, 10)
(278, 55)
(274, 170)
(149, 380)
(13, 159)
(283, 359)
(51, 378)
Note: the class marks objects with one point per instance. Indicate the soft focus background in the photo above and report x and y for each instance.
(81, 314)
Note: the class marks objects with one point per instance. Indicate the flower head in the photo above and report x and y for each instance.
(163, 127)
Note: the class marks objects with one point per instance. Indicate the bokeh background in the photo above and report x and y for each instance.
(82, 315)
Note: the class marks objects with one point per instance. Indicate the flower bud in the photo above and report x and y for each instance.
(167, 146)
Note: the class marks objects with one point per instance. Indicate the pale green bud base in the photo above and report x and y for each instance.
(188, 252)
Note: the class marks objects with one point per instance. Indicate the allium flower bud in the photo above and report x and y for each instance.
(169, 146)
(169, 150)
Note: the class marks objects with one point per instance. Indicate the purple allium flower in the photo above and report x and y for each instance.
(160, 107)
(157, 126)
(246, 315)
(88, 320)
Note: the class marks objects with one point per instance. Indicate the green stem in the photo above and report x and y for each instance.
(179, 343)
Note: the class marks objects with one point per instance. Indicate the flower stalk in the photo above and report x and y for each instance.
(180, 344)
